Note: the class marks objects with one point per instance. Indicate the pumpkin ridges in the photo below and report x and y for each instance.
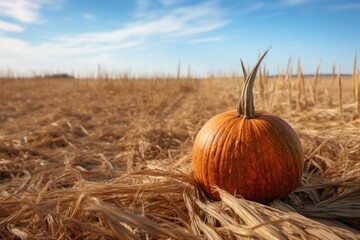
(285, 152)
(231, 126)
(296, 150)
(213, 133)
(281, 139)
(228, 140)
(203, 171)
(251, 161)
(223, 132)
(214, 148)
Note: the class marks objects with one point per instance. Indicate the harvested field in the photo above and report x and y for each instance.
(111, 159)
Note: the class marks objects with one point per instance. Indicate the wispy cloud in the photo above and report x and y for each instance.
(89, 17)
(168, 24)
(142, 9)
(10, 27)
(25, 11)
(16, 47)
(251, 8)
(207, 39)
(168, 2)
(346, 7)
(177, 22)
(181, 21)
(295, 2)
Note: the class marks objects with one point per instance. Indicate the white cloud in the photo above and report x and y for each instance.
(169, 2)
(25, 11)
(89, 17)
(21, 10)
(16, 48)
(10, 27)
(142, 7)
(350, 6)
(295, 2)
(178, 22)
(208, 39)
(170, 25)
(24, 58)
(251, 8)
(11, 45)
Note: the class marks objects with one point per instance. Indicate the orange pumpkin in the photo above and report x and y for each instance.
(253, 154)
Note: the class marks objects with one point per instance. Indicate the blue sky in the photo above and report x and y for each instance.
(145, 37)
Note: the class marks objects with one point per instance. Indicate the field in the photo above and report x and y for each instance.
(111, 159)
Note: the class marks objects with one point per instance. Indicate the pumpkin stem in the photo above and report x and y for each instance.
(246, 108)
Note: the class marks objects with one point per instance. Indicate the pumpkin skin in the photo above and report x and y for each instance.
(260, 158)
(253, 154)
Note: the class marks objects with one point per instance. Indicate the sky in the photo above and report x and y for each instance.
(154, 36)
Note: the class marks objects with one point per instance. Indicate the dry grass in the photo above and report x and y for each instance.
(102, 159)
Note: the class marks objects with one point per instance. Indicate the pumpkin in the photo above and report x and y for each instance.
(256, 155)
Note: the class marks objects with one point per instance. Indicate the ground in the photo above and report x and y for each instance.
(86, 156)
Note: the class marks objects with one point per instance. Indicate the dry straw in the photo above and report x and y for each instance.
(340, 95)
(100, 159)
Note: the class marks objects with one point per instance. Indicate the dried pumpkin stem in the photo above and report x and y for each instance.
(246, 108)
